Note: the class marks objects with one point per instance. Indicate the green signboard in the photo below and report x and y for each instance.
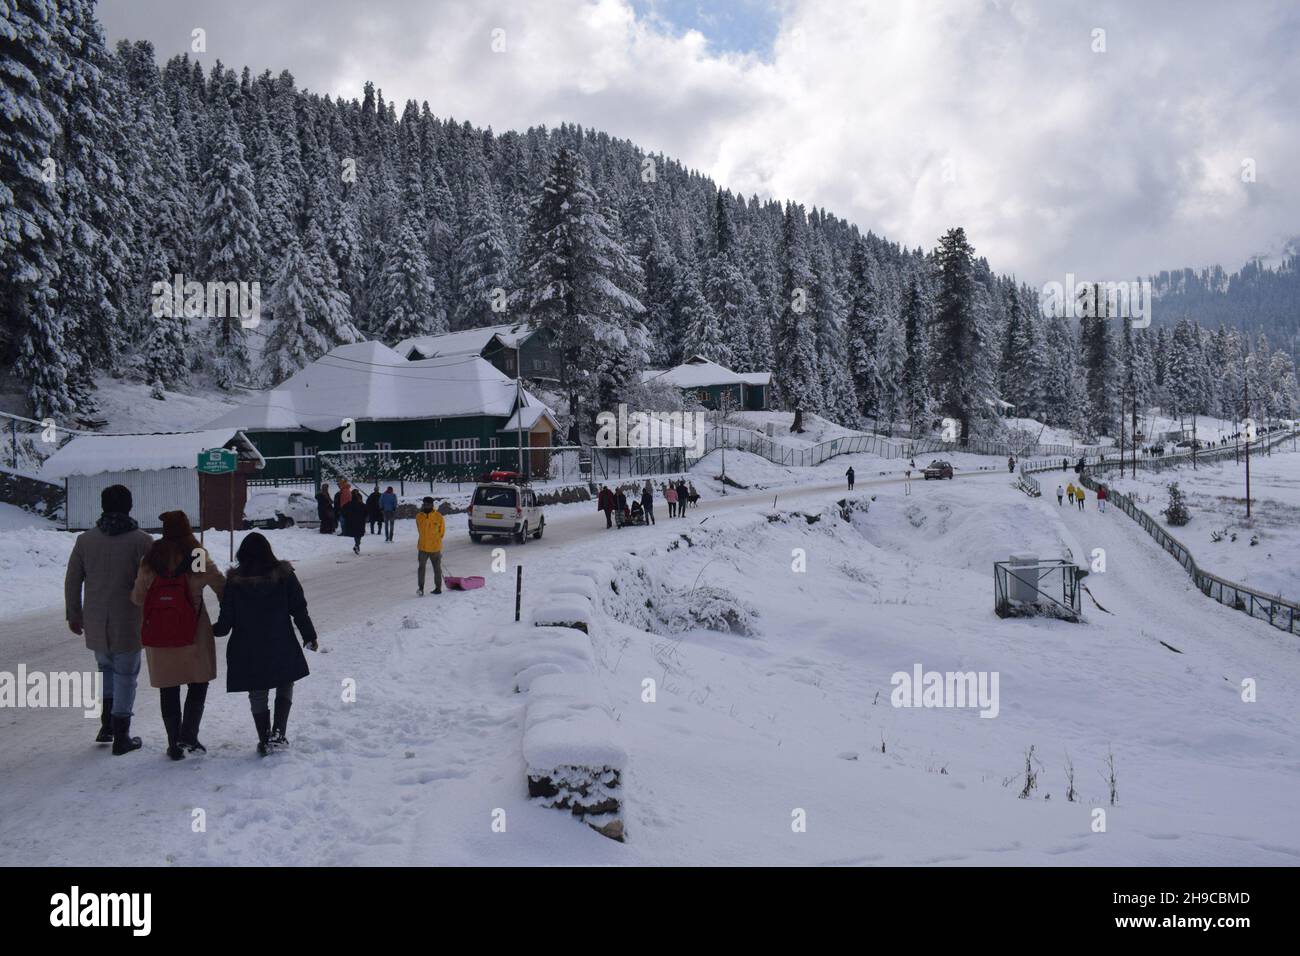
(216, 461)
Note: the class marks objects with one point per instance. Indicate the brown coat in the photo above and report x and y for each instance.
(196, 663)
(105, 566)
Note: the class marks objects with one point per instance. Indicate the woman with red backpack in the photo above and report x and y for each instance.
(176, 631)
(262, 602)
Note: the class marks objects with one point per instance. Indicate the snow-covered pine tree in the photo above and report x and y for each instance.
(916, 365)
(797, 379)
(482, 260)
(31, 69)
(864, 331)
(958, 335)
(406, 298)
(228, 242)
(581, 282)
(310, 314)
(701, 332)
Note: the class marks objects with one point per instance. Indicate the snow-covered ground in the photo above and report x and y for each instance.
(746, 730)
(1216, 498)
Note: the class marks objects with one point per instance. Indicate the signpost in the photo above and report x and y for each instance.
(219, 461)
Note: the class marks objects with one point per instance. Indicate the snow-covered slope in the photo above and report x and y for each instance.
(751, 728)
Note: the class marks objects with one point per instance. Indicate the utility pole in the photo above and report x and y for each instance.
(1246, 387)
(1135, 437)
(519, 418)
(724, 402)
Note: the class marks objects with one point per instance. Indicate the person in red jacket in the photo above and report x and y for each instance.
(605, 503)
(1102, 495)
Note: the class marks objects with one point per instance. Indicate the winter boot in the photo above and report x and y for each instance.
(123, 742)
(171, 717)
(194, 701)
(278, 739)
(105, 735)
(263, 723)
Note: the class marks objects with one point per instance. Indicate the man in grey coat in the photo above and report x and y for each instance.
(104, 562)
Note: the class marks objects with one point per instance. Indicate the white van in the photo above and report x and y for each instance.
(505, 507)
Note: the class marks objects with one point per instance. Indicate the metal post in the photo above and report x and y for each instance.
(519, 587)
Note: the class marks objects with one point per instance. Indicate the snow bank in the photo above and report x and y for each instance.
(574, 751)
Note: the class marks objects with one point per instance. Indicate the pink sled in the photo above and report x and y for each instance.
(464, 584)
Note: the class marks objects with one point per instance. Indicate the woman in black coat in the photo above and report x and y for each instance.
(374, 512)
(262, 602)
(354, 520)
(325, 510)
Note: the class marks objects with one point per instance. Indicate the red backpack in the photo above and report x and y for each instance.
(169, 617)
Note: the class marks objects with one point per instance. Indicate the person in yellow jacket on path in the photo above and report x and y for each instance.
(431, 528)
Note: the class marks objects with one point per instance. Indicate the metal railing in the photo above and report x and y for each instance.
(1277, 610)
(744, 439)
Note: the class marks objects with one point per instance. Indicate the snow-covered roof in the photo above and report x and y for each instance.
(464, 342)
(368, 381)
(527, 416)
(95, 454)
(699, 372)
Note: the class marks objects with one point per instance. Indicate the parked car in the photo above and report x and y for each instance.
(277, 508)
(505, 507)
(938, 469)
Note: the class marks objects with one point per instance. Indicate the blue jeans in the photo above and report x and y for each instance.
(120, 671)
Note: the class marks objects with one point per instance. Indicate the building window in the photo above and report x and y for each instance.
(464, 450)
(304, 458)
(438, 450)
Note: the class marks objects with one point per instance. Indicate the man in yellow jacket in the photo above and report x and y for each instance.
(431, 528)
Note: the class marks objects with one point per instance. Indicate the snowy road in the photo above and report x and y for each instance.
(53, 773)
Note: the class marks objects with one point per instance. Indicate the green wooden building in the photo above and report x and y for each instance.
(365, 412)
(712, 384)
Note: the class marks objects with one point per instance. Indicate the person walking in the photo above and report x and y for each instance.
(620, 507)
(683, 496)
(1080, 497)
(1065, 464)
(430, 527)
(341, 499)
(97, 605)
(262, 602)
(374, 511)
(670, 495)
(1102, 495)
(1060, 495)
(849, 475)
(388, 504)
(648, 501)
(605, 503)
(692, 496)
(179, 646)
(1069, 493)
(354, 521)
(325, 509)
(1011, 463)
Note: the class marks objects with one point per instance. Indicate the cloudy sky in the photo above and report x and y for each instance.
(1107, 139)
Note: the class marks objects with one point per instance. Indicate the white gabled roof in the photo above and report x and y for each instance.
(368, 381)
(699, 372)
(527, 416)
(464, 342)
(95, 454)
